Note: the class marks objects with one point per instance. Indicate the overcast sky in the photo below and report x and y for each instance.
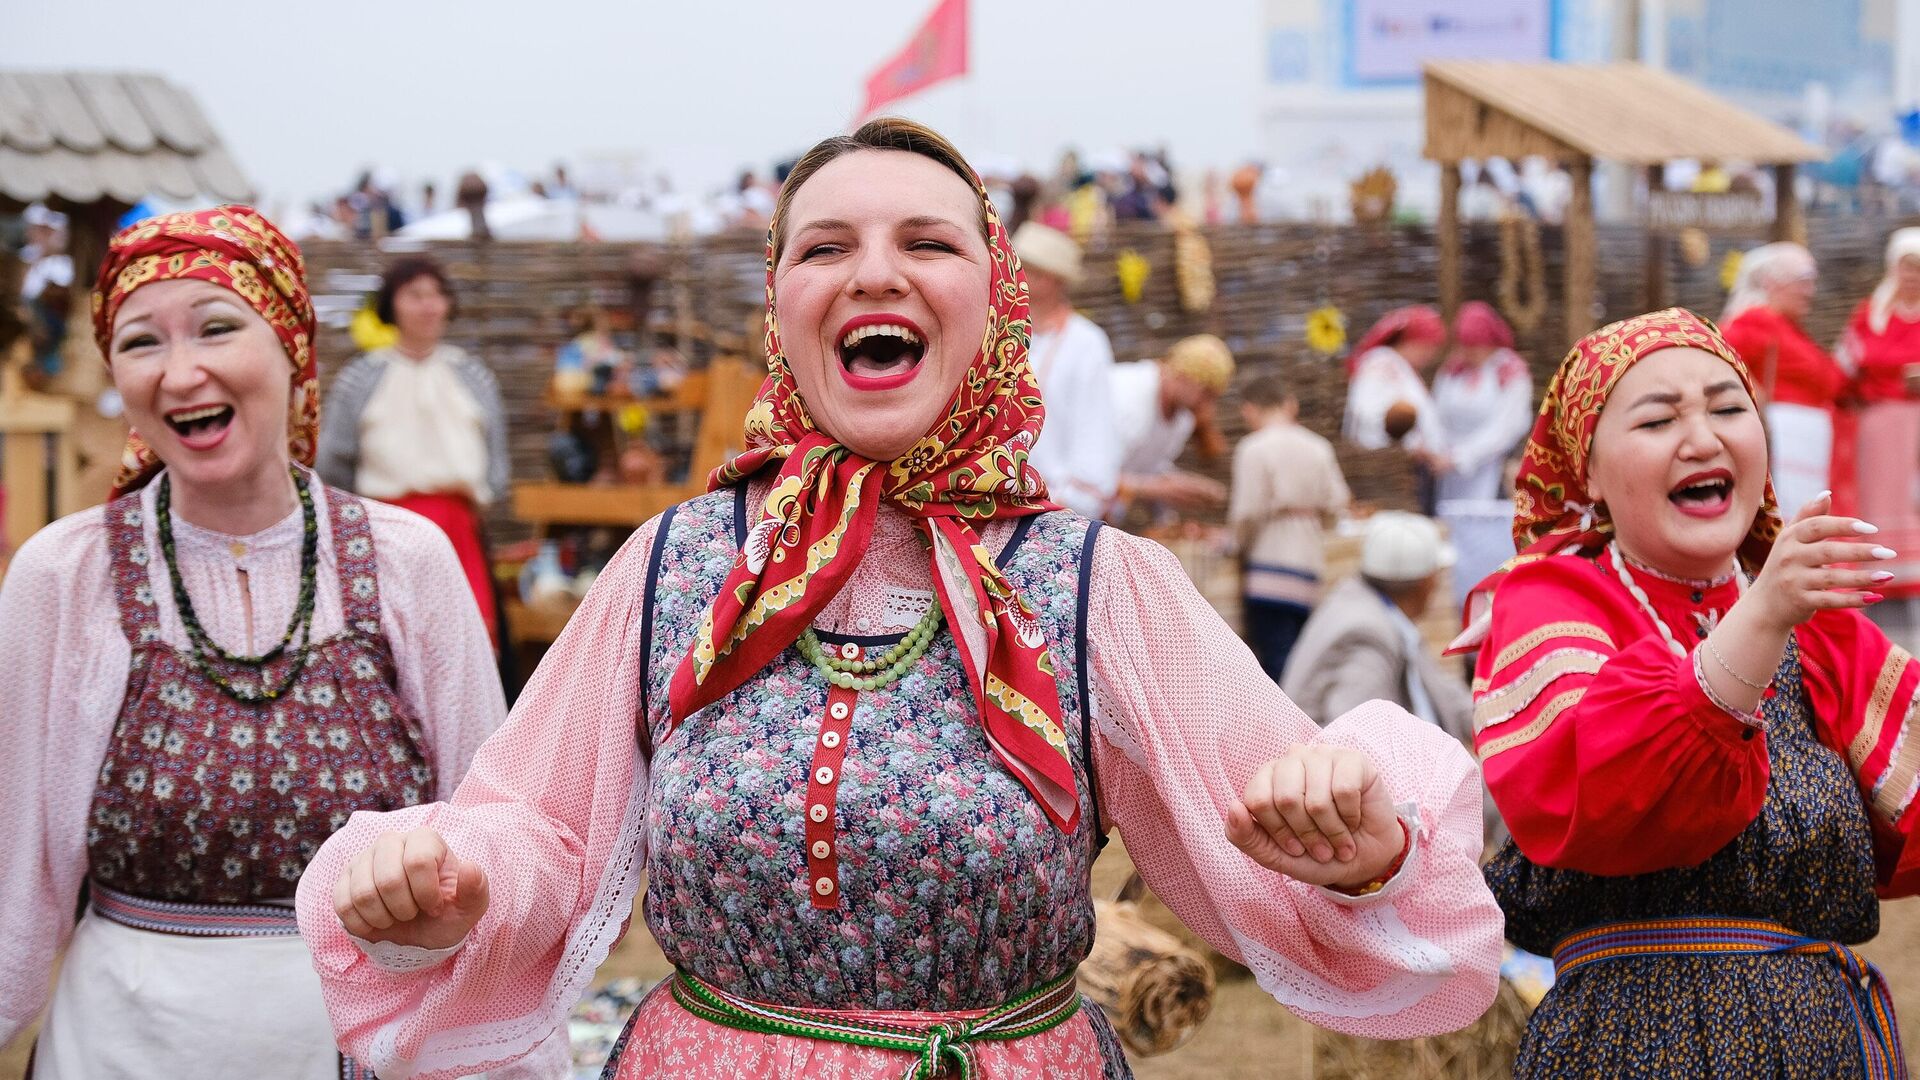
(306, 94)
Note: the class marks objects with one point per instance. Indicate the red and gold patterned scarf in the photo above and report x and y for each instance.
(819, 518)
(236, 248)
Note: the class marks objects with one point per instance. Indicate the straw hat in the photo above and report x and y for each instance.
(1047, 250)
(1203, 358)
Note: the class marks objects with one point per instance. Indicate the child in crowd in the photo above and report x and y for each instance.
(1287, 488)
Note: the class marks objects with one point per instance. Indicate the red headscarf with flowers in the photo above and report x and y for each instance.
(236, 248)
(1552, 510)
(819, 518)
(1401, 326)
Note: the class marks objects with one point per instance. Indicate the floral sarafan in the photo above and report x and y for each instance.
(971, 467)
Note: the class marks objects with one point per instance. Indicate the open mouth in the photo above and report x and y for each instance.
(1707, 494)
(881, 348)
(200, 422)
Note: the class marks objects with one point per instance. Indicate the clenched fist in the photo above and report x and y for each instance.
(1319, 814)
(411, 889)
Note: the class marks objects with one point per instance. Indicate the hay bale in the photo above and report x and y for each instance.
(1484, 1050)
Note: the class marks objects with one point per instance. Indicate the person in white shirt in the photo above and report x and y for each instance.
(1484, 400)
(1157, 406)
(1384, 369)
(1078, 453)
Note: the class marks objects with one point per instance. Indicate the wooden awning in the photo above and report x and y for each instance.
(83, 137)
(1625, 112)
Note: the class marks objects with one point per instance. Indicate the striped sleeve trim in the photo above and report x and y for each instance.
(1878, 703)
(1535, 727)
(1520, 647)
(1513, 699)
(1893, 793)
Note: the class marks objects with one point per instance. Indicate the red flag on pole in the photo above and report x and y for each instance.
(937, 51)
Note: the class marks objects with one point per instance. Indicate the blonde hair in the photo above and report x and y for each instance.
(884, 133)
(1203, 358)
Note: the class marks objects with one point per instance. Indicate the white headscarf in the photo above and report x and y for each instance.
(1764, 267)
(1902, 243)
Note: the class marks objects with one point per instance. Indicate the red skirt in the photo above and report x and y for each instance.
(459, 518)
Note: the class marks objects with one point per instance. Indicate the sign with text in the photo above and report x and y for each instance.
(1671, 211)
(1390, 39)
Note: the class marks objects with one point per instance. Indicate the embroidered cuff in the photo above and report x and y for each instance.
(1751, 718)
(400, 959)
(1409, 814)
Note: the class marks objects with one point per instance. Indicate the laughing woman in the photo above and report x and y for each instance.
(1708, 776)
(888, 701)
(171, 748)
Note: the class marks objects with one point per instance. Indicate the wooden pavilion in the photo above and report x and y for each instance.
(1573, 114)
(90, 144)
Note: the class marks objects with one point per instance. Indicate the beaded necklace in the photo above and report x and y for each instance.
(1646, 605)
(300, 626)
(883, 670)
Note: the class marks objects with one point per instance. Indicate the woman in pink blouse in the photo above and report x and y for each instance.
(206, 677)
(861, 717)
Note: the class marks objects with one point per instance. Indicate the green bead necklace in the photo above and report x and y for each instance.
(881, 671)
(204, 649)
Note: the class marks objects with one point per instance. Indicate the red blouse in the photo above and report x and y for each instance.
(1881, 358)
(1605, 755)
(1784, 359)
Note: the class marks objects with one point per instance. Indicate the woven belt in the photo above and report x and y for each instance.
(207, 921)
(1710, 936)
(193, 920)
(943, 1048)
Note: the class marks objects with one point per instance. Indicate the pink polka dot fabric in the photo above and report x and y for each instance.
(554, 805)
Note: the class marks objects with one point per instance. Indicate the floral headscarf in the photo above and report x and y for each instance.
(1552, 510)
(236, 248)
(819, 518)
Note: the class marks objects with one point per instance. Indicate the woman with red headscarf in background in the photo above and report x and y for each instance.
(1484, 396)
(207, 677)
(1388, 403)
(1882, 348)
(870, 777)
(1699, 742)
(1799, 384)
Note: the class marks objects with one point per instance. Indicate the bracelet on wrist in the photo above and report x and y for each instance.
(1378, 883)
(1728, 668)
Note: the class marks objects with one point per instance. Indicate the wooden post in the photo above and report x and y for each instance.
(1449, 229)
(1581, 281)
(1654, 295)
(1789, 218)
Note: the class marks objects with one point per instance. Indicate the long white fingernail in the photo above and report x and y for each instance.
(1865, 528)
(1884, 553)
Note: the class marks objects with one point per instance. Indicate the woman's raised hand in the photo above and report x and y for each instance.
(1320, 814)
(1802, 576)
(411, 889)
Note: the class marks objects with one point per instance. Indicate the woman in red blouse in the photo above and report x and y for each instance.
(1707, 777)
(1799, 383)
(1882, 345)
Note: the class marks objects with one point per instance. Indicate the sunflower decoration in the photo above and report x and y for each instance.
(1730, 269)
(1133, 270)
(370, 332)
(632, 419)
(1326, 330)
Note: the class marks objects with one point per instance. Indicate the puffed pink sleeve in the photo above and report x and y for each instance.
(67, 672)
(552, 810)
(1184, 717)
(448, 675)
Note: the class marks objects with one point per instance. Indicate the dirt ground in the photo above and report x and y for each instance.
(1249, 1037)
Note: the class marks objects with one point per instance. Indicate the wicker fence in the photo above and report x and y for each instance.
(513, 298)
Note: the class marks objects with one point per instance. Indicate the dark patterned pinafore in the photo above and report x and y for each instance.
(906, 869)
(203, 799)
(1806, 862)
